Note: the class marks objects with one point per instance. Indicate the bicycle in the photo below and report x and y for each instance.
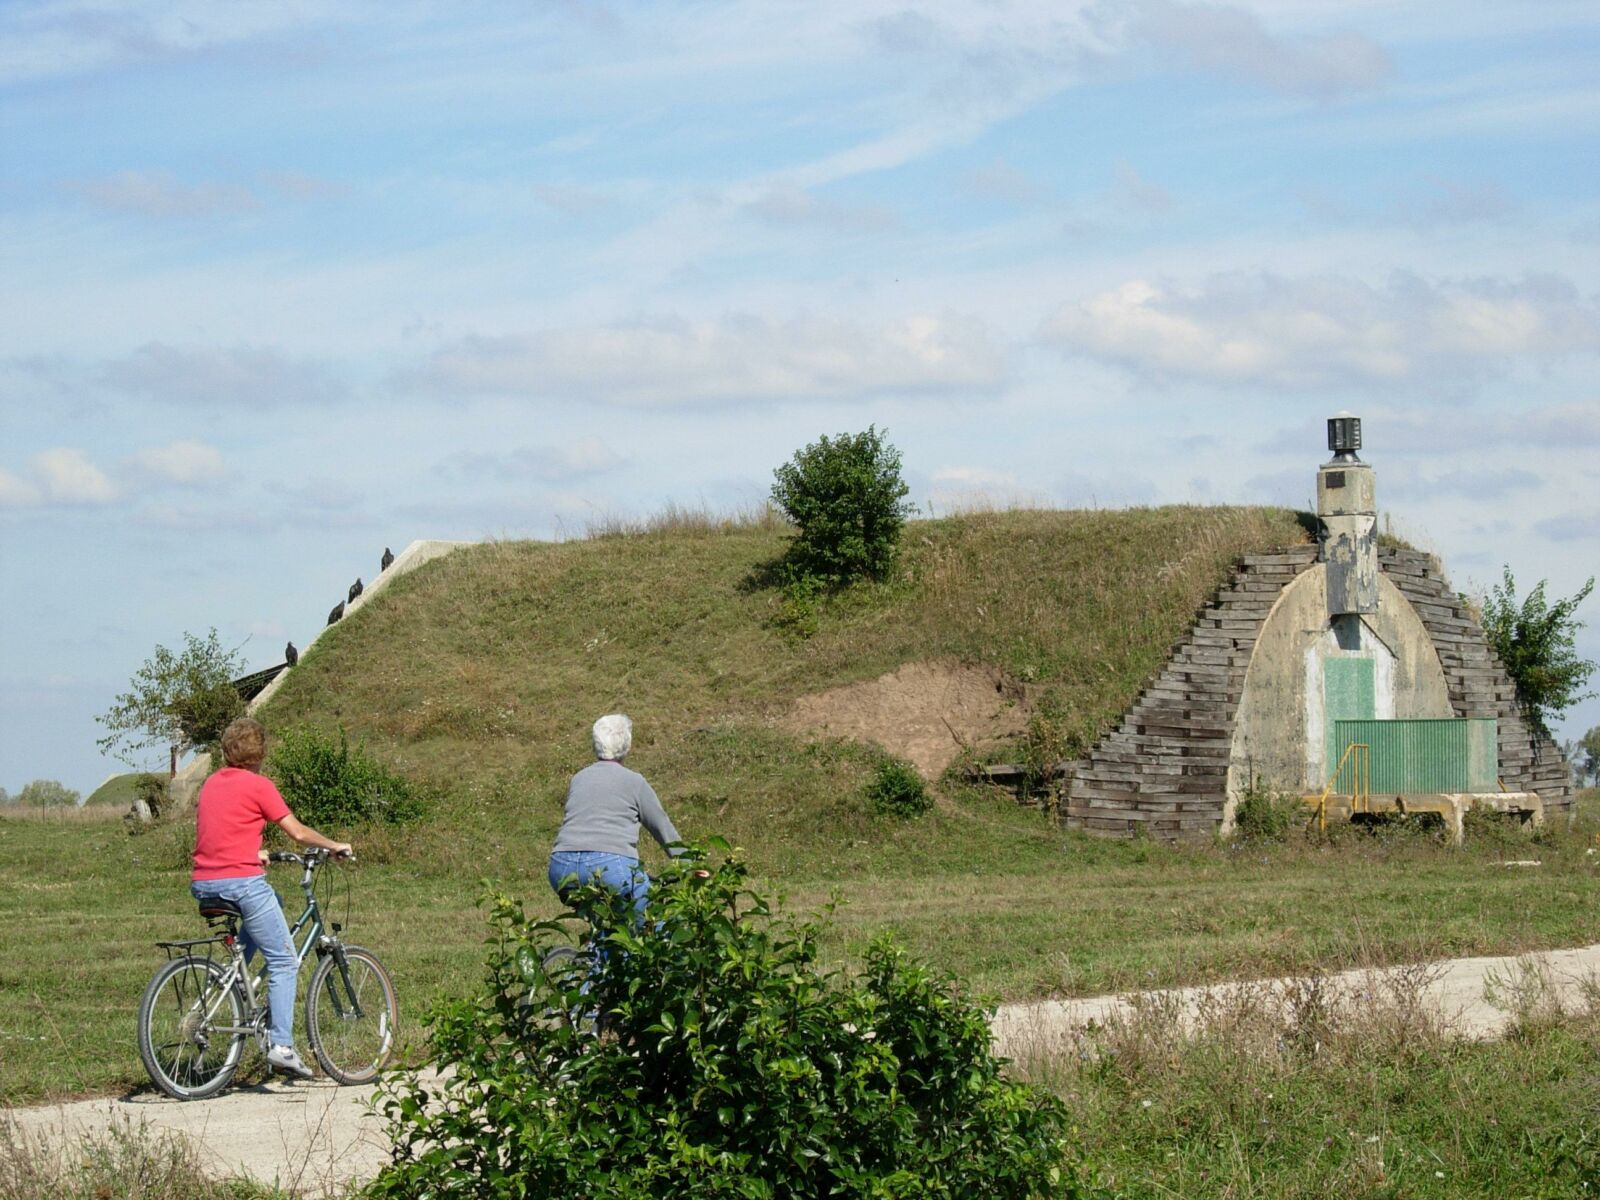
(197, 1011)
(571, 971)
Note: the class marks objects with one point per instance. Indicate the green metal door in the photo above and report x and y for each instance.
(1426, 756)
(1348, 694)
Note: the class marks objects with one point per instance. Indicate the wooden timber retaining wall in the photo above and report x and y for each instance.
(1163, 771)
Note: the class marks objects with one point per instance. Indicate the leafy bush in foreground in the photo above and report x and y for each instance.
(327, 783)
(732, 1066)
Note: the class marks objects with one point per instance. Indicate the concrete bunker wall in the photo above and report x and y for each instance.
(1281, 727)
(1170, 768)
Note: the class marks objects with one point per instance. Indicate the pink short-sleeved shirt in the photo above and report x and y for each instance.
(234, 806)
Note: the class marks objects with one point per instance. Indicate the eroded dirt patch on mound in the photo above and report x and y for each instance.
(925, 713)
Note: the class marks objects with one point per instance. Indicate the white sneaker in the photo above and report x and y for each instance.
(285, 1059)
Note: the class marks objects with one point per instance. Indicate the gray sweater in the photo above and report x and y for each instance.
(606, 804)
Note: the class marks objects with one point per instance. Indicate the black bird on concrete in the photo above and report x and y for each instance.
(338, 611)
(355, 589)
(290, 654)
(388, 558)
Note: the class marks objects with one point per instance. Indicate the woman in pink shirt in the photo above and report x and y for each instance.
(229, 864)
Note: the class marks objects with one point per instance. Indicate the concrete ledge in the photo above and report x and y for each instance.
(409, 559)
(1452, 807)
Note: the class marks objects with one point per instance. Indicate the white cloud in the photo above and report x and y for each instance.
(975, 477)
(788, 204)
(66, 476)
(159, 194)
(1129, 189)
(672, 362)
(1315, 331)
(966, 488)
(1549, 427)
(183, 462)
(1437, 203)
(546, 464)
(43, 38)
(1570, 527)
(16, 492)
(571, 200)
(1001, 180)
(1483, 485)
(261, 377)
(1231, 42)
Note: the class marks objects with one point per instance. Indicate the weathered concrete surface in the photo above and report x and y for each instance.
(1470, 994)
(1280, 726)
(316, 1138)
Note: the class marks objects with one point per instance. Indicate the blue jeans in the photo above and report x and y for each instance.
(264, 929)
(618, 872)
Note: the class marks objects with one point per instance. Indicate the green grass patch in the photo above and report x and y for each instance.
(991, 892)
(481, 671)
(1353, 1092)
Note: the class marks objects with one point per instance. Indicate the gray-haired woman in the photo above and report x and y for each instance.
(606, 805)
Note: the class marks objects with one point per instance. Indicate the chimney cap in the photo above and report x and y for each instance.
(1344, 436)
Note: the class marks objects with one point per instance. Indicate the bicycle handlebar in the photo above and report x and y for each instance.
(313, 857)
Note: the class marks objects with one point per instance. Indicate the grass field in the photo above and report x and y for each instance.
(1346, 1093)
(987, 890)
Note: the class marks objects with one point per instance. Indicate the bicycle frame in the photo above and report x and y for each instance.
(309, 923)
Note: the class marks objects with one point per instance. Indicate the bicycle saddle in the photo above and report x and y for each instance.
(213, 910)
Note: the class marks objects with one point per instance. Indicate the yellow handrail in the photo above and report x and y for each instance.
(1360, 795)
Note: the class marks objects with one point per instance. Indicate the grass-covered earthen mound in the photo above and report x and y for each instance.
(482, 671)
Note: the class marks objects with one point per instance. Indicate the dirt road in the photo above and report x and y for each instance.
(315, 1137)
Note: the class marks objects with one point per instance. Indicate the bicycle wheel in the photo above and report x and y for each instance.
(568, 970)
(351, 1015)
(187, 1054)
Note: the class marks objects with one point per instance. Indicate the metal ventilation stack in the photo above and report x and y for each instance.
(1347, 508)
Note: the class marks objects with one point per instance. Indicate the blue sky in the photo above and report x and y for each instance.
(284, 284)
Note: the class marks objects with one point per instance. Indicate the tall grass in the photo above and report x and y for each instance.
(63, 814)
(1327, 1090)
(693, 520)
(123, 1162)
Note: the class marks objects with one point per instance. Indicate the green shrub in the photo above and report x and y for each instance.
(732, 1066)
(1537, 644)
(847, 498)
(897, 790)
(1264, 815)
(325, 782)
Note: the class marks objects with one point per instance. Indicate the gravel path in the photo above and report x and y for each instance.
(316, 1137)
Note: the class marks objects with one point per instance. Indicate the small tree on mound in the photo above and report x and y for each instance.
(179, 699)
(847, 498)
(732, 1066)
(1537, 644)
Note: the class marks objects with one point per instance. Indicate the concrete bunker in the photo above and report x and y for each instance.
(1287, 662)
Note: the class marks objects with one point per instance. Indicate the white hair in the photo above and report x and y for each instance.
(613, 736)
